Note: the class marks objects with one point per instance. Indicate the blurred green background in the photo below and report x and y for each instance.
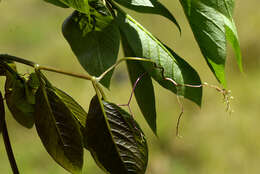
(213, 141)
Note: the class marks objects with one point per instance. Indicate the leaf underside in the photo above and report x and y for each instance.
(16, 95)
(166, 63)
(125, 148)
(212, 24)
(95, 41)
(58, 130)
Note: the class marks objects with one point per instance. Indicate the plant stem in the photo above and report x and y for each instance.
(118, 62)
(9, 150)
(81, 76)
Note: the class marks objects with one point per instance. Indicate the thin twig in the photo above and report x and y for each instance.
(9, 150)
(118, 62)
(180, 116)
(81, 76)
(132, 93)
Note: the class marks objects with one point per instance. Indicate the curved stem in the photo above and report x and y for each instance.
(9, 150)
(118, 62)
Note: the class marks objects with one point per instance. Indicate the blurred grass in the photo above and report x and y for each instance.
(213, 142)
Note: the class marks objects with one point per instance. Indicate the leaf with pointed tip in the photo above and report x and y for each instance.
(57, 3)
(58, 129)
(212, 25)
(2, 113)
(114, 139)
(149, 6)
(94, 41)
(16, 98)
(144, 91)
(166, 63)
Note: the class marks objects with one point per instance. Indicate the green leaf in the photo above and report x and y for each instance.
(78, 112)
(2, 113)
(166, 63)
(79, 5)
(144, 91)
(58, 129)
(115, 140)
(57, 3)
(95, 41)
(17, 98)
(149, 6)
(212, 25)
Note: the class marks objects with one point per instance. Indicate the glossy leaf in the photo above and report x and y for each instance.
(95, 40)
(149, 6)
(144, 91)
(57, 3)
(17, 99)
(212, 24)
(78, 112)
(115, 140)
(58, 129)
(166, 63)
(2, 113)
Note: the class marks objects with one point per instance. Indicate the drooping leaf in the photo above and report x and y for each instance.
(78, 112)
(57, 3)
(149, 6)
(212, 24)
(166, 63)
(95, 40)
(2, 113)
(58, 129)
(17, 98)
(115, 140)
(144, 92)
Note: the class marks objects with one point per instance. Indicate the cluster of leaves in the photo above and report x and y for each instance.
(94, 31)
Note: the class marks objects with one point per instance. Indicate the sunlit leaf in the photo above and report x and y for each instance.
(149, 6)
(2, 113)
(58, 129)
(16, 98)
(94, 39)
(144, 92)
(115, 140)
(212, 24)
(166, 63)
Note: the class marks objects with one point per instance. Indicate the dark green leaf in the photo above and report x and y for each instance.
(16, 95)
(212, 24)
(2, 113)
(57, 3)
(149, 6)
(166, 64)
(144, 92)
(78, 112)
(58, 129)
(95, 40)
(115, 140)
